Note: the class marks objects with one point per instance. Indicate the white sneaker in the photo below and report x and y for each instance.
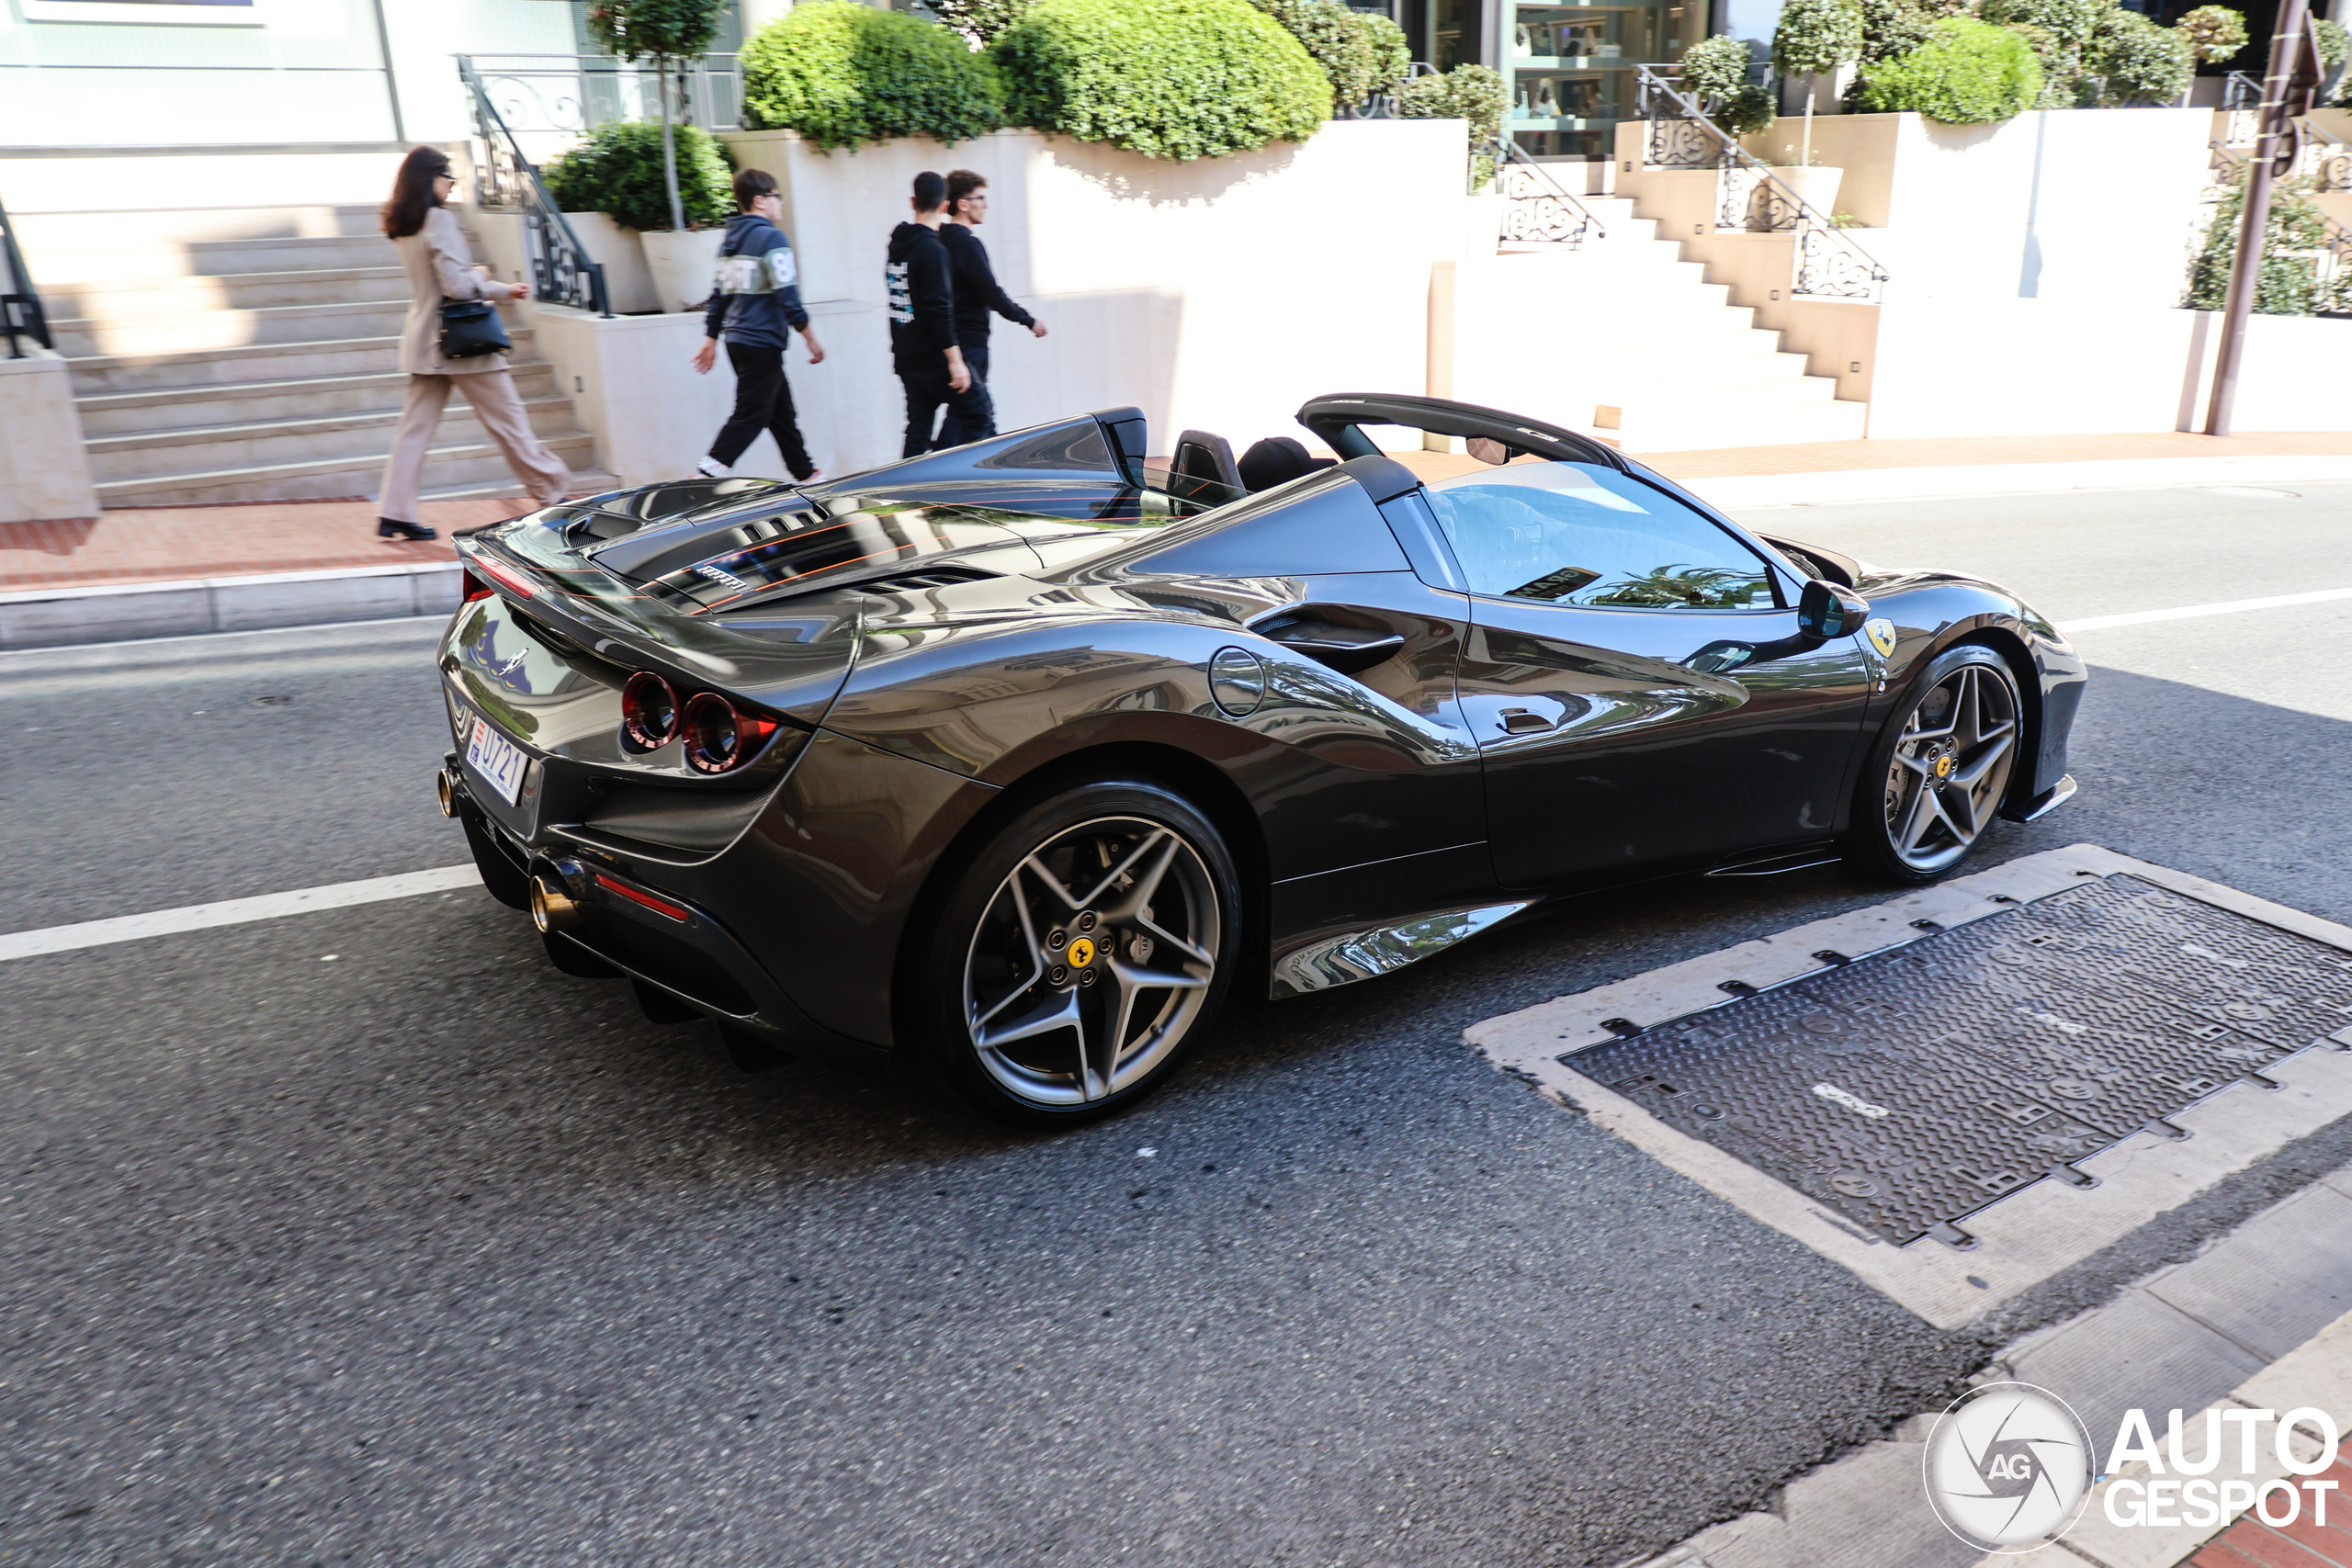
(712, 468)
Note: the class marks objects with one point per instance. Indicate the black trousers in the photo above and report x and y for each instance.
(927, 394)
(763, 401)
(976, 420)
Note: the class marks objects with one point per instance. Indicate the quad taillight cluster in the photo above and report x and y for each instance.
(718, 737)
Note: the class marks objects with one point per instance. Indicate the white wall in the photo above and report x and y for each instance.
(1219, 295)
(44, 468)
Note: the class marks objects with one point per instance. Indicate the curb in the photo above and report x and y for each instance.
(54, 618)
(2255, 1321)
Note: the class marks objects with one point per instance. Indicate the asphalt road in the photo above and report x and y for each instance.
(364, 1237)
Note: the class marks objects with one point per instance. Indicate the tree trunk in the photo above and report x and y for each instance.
(1805, 152)
(669, 150)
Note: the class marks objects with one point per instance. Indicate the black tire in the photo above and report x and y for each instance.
(1939, 770)
(1063, 985)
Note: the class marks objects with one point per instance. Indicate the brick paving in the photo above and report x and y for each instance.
(2302, 1543)
(166, 543)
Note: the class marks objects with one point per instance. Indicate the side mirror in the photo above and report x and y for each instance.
(1825, 611)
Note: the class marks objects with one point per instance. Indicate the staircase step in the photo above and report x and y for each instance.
(133, 229)
(136, 299)
(186, 331)
(447, 467)
(239, 402)
(247, 362)
(361, 437)
(63, 265)
(584, 482)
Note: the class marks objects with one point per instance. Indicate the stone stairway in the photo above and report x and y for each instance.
(250, 353)
(1626, 329)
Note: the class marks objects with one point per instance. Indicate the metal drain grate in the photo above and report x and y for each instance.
(1907, 1088)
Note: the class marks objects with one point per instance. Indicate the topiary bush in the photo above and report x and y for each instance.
(1166, 78)
(1392, 52)
(842, 74)
(1816, 37)
(1471, 93)
(617, 171)
(1750, 109)
(1716, 68)
(1334, 37)
(2136, 62)
(2287, 282)
(2215, 32)
(1968, 72)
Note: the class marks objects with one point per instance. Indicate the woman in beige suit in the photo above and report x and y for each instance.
(441, 266)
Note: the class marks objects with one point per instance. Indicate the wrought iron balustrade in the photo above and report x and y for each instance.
(1827, 265)
(20, 311)
(562, 272)
(1537, 209)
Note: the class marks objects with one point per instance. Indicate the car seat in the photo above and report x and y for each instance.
(1200, 455)
(1278, 459)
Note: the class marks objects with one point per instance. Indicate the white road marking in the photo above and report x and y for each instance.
(2191, 611)
(236, 911)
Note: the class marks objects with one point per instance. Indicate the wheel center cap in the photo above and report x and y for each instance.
(1943, 766)
(1081, 953)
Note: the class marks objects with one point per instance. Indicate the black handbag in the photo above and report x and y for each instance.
(470, 328)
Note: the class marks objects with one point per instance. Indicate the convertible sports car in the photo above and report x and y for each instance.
(1013, 760)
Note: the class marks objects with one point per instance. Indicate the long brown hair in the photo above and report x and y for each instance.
(412, 193)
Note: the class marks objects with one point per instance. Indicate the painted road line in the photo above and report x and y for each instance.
(236, 911)
(2040, 1229)
(2191, 612)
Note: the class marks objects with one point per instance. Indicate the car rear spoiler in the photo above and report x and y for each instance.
(1334, 419)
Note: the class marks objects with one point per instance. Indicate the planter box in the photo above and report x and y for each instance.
(628, 288)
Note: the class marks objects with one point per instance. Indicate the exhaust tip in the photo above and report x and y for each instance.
(444, 793)
(552, 910)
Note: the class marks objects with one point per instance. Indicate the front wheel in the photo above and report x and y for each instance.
(1940, 769)
(1080, 950)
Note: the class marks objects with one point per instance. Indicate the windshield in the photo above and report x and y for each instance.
(1585, 534)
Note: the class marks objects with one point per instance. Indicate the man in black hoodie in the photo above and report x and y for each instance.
(755, 303)
(977, 294)
(923, 349)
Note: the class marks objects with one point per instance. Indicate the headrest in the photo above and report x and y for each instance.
(1278, 459)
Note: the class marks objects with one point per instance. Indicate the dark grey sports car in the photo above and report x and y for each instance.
(1014, 759)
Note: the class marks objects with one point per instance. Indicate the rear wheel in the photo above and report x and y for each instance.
(1940, 769)
(1080, 952)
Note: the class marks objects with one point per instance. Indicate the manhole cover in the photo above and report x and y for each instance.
(1907, 1089)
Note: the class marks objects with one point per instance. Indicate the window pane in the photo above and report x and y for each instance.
(1579, 533)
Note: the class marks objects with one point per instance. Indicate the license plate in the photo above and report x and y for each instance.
(497, 758)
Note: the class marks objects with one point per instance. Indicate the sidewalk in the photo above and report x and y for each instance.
(170, 570)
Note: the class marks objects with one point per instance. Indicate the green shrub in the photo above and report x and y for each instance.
(1893, 28)
(1471, 93)
(2334, 42)
(2137, 62)
(2287, 283)
(1336, 37)
(2071, 22)
(641, 29)
(1749, 110)
(2215, 32)
(617, 171)
(1716, 68)
(1392, 52)
(1816, 37)
(1166, 78)
(842, 74)
(1968, 72)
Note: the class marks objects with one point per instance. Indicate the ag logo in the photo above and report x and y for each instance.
(1881, 631)
(2007, 1467)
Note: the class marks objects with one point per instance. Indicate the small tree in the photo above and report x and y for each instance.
(2137, 62)
(1471, 93)
(2215, 32)
(1815, 37)
(1968, 72)
(661, 31)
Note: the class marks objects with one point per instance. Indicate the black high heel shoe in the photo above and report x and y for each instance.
(390, 528)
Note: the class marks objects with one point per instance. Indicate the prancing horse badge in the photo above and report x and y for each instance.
(1880, 632)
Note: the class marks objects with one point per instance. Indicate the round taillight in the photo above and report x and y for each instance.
(649, 712)
(719, 736)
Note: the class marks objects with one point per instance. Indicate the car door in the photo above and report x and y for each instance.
(1635, 680)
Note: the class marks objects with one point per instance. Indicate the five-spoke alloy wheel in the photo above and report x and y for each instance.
(1941, 768)
(1081, 948)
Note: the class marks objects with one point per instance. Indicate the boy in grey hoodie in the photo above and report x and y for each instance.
(755, 304)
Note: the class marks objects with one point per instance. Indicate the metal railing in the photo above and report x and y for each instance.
(2335, 268)
(563, 273)
(1826, 263)
(548, 102)
(20, 311)
(1537, 209)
